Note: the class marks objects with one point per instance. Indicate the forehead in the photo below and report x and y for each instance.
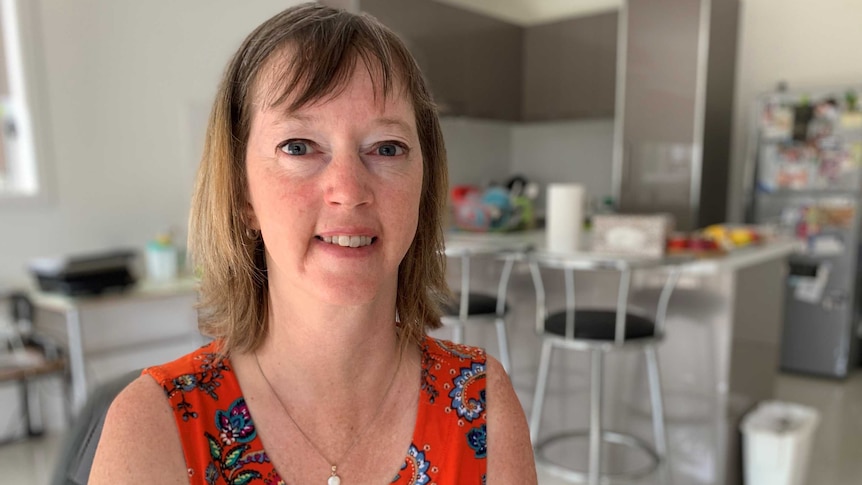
(288, 83)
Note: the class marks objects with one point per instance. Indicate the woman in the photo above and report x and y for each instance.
(316, 226)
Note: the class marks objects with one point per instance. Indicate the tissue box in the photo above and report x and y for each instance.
(632, 234)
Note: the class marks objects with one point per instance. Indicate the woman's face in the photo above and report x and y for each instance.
(334, 188)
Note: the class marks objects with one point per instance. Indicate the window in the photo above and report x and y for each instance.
(19, 174)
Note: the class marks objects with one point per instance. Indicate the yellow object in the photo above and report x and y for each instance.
(164, 239)
(729, 237)
(717, 233)
(741, 236)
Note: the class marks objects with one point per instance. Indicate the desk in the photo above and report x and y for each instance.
(23, 367)
(70, 308)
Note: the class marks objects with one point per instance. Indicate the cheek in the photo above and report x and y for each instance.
(407, 206)
(278, 201)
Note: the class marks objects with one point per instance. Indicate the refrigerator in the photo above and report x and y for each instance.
(806, 154)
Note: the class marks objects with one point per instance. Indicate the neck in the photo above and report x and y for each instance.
(329, 347)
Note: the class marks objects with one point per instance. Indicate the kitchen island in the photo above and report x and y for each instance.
(719, 359)
(722, 351)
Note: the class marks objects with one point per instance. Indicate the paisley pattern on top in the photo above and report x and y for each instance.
(221, 446)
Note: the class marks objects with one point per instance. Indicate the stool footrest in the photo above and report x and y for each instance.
(611, 437)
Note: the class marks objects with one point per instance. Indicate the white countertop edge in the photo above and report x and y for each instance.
(744, 257)
(738, 258)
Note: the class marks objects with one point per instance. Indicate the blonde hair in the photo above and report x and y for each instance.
(324, 46)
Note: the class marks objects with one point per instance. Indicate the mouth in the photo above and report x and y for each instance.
(347, 241)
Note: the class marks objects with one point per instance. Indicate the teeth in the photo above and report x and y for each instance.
(348, 241)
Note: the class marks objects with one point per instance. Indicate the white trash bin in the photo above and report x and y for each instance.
(777, 443)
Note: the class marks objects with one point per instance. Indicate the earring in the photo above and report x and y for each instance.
(252, 234)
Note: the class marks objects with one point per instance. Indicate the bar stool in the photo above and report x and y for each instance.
(599, 331)
(469, 307)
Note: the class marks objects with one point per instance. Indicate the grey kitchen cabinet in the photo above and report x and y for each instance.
(672, 144)
(570, 69)
(471, 62)
(482, 67)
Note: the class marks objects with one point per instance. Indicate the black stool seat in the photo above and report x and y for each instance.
(600, 325)
(477, 304)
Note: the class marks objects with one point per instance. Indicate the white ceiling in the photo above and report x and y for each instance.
(532, 12)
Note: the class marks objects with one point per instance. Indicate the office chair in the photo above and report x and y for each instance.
(79, 444)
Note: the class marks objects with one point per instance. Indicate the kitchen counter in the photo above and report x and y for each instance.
(692, 263)
(720, 356)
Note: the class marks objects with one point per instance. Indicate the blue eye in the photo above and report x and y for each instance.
(295, 148)
(390, 150)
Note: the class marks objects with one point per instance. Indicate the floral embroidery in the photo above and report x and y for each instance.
(201, 384)
(226, 463)
(467, 407)
(428, 377)
(477, 440)
(235, 423)
(207, 380)
(416, 460)
(463, 352)
(185, 382)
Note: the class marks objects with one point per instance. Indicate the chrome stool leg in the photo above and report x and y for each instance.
(596, 388)
(541, 386)
(503, 342)
(657, 405)
(458, 333)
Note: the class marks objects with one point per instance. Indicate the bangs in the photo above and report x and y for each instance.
(318, 66)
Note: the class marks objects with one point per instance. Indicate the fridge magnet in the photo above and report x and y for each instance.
(823, 120)
(837, 212)
(837, 169)
(851, 119)
(776, 122)
(796, 166)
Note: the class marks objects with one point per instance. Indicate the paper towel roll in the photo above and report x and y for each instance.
(564, 217)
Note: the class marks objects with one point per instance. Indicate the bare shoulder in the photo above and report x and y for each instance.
(140, 441)
(510, 454)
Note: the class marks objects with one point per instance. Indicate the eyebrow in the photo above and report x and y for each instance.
(396, 123)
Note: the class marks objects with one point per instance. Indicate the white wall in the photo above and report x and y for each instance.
(484, 151)
(479, 151)
(123, 79)
(127, 87)
(805, 43)
(566, 151)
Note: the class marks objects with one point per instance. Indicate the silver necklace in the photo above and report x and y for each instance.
(334, 478)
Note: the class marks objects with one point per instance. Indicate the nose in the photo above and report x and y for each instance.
(348, 181)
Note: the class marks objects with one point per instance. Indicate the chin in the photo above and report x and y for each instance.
(349, 294)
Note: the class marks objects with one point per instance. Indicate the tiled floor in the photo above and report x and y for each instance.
(835, 451)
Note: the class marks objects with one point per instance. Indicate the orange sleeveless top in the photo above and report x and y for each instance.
(221, 446)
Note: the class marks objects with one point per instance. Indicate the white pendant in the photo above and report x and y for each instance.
(334, 480)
